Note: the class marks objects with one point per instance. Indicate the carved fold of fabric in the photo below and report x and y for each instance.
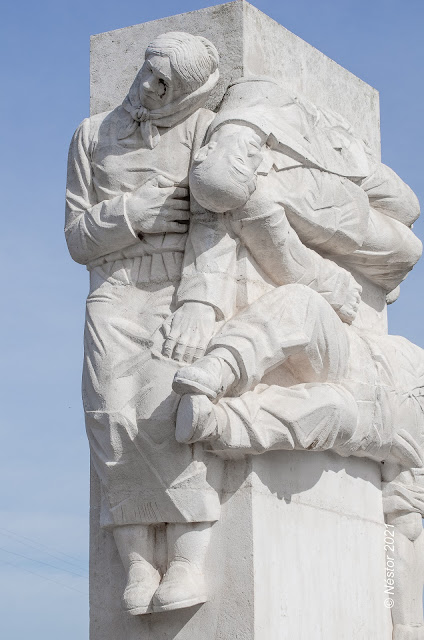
(310, 416)
(277, 248)
(149, 244)
(291, 326)
(295, 127)
(406, 494)
(209, 272)
(386, 375)
(328, 212)
(389, 252)
(92, 228)
(146, 476)
(99, 184)
(142, 270)
(389, 194)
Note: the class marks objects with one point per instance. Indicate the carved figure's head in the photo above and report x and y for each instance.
(223, 176)
(176, 64)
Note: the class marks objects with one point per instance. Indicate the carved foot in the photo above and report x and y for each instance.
(143, 580)
(198, 420)
(182, 586)
(210, 376)
(408, 632)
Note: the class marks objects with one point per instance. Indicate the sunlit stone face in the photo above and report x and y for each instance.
(159, 84)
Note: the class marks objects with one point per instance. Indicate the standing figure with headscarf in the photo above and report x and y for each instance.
(127, 211)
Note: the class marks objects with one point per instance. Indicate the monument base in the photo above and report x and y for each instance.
(298, 554)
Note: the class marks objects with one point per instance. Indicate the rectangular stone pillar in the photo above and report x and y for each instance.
(298, 553)
(249, 43)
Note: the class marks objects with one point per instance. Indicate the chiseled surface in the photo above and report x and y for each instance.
(117, 55)
(293, 62)
(315, 516)
(291, 212)
(290, 558)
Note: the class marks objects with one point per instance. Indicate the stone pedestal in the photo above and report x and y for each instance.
(299, 551)
(297, 554)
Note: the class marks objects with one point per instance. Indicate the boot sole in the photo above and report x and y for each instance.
(189, 387)
(180, 605)
(137, 611)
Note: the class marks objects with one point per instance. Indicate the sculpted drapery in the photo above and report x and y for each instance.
(237, 234)
(127, 213)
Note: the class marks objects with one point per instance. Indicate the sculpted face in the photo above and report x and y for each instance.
(223, 176)
(159, 84)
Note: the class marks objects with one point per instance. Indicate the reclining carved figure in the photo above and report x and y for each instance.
(336, 389)
(285, 372)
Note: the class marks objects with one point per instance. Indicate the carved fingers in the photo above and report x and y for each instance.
(188, 332)
(349, 309)
(159, 206)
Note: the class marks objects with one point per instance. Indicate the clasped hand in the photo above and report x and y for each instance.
(158, 206)
(188, 331)
(349, 309)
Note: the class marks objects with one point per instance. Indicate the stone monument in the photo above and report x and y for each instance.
(256, 437)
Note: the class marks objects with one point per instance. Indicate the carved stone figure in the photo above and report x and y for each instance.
(299, 377)
(307, 169)
(126, 219)
(339, 388)
(191, 356)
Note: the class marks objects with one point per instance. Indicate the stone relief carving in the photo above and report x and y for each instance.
(222, 251)
(127, 214)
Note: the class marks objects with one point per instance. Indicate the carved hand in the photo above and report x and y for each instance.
(158, 206)
(348, 311)
(188, 331)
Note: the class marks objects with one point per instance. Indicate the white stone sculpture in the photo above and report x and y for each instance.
(163, 196)
(127, 213)
(270, 184)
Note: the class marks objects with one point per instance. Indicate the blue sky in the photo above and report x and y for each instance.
(45, 94)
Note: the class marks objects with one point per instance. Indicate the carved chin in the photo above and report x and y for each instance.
(216, 192)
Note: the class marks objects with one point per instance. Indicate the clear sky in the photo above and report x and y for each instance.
(45, 94)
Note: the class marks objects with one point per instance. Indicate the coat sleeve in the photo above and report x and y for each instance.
(210, 265)
(265, 230)
(209, 270)
(92, 229)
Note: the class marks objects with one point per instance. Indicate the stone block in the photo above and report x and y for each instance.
(249, 43)
(298, 553)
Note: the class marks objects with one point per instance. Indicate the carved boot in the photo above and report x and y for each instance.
(198, 419)
(211, 376)
(143, 580)
(135, 544)
(182, 586)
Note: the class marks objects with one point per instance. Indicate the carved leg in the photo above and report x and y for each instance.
(136, 548)
(184, 582)
(310, 416)
(211, 375)
(291, 324)
(401, 248)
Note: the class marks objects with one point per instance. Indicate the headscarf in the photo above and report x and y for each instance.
(195, 62)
